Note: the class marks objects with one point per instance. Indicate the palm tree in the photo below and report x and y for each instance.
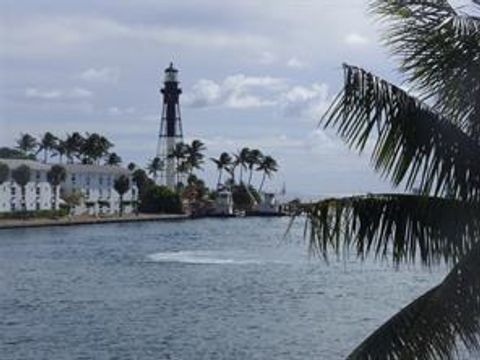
(47, 144)
(154, 167)
(60, 149)
(121, 186)
(268, 165)
(241, 159)
(74, 146)
(431, 143)
(195, 156)
(94, 148)
(254, 158)
(4, 172)
(21, 175)
(180, 154)
(55, 176)
(131, 166)
(27, 143)
(222, 163)
(113, 159)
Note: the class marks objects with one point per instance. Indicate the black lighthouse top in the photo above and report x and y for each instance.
(171, 74)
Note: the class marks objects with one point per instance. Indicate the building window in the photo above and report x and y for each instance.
(37, 206)
(74, 179)
(38, 176)
(87, 180)
(12, 191)
(100, 180)
(37, 191)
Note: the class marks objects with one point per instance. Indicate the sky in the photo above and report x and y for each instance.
(253, 73)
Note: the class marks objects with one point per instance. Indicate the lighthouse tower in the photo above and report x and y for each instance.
(170, 127)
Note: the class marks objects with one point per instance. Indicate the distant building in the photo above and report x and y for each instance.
(96, 185)
(224, 203)
(38, 192)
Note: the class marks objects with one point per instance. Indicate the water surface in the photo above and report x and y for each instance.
(203, 289)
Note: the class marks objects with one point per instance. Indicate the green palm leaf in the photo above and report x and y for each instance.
(406, 227)
(429, 327)
(413, 143)
(439, 51)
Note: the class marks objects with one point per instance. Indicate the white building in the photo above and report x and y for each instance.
(96, 185)
(224, 203)
(38, 192)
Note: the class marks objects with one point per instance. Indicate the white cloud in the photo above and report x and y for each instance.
(105, 75)
(306, 102)
(76, 93)
(355, 39)
(296, 63)
(267, 58)
(236, 91)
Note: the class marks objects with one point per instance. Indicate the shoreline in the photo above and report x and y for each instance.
(87, 220)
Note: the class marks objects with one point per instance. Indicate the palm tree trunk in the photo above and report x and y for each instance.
(263, 181)
(54, 197)
(45, 156)
(250, 177)
(24, 200)
(241, 174)
(121, 205)
(219, 178)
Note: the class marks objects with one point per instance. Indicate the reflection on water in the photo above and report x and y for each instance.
(206, 289)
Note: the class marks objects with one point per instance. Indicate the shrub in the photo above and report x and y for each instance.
(160, 199)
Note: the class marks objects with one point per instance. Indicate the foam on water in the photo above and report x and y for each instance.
(200, 257)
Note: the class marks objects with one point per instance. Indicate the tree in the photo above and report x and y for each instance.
(4, 172)
(241, 159)
(27, 144)
(121, 186)
(73, 199)
(94, 148)
(179, 154)
(74, 146)
(113, 159)
(8, 153)
(132, 166)
(431, 143)
(154, 167)
(194, 155)
(55, 176)
(254, 158)
(268, 165)
(222, 163)
(47, 144)
(160, 199)
(21, 175)
(141, 179)
(60, 149)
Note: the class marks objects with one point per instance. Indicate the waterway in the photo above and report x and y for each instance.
(196, 289)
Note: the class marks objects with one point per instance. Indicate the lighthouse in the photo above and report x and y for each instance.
(170, 127)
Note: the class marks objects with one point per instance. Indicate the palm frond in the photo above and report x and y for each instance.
(430, 326)
(413, 143)
(405, 227)
(439, 51)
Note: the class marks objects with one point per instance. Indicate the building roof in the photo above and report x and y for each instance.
(96, 169)
(32, 164)
(76, 168)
